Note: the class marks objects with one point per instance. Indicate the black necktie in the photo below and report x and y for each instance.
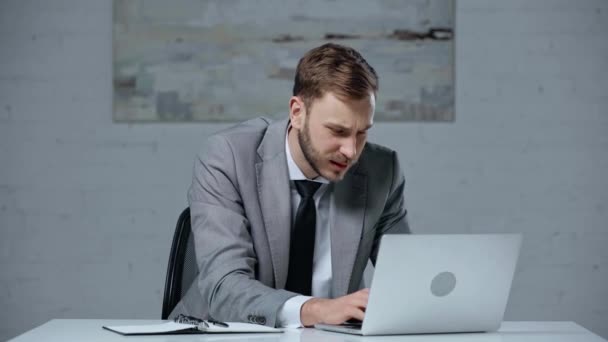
(302, 248)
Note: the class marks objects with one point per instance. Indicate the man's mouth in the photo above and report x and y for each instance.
(338, 165)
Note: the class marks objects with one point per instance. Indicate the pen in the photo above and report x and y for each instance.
(196, 321)
(221, 324)
(181, 318)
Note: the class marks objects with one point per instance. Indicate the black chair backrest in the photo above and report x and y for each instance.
(182, 268)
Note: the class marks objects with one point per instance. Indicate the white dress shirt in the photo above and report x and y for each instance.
(289, 313)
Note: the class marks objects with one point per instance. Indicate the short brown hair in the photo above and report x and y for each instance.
(336, 68)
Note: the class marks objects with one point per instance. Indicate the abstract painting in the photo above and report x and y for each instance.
(230, 60)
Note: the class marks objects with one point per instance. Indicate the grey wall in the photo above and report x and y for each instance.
(87, 207)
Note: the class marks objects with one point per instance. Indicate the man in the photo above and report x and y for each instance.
(285, 215)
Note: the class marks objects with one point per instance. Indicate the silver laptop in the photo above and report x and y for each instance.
(438, 284)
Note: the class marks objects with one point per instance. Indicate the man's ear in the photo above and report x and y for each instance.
(297, 112)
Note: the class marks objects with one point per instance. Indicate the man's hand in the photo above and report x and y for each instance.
(334, 311)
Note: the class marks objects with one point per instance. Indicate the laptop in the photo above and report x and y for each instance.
(438, 284)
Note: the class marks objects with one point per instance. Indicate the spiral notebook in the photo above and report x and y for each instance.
(190, 325)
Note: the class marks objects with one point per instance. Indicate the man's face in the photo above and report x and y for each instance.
(333, 132)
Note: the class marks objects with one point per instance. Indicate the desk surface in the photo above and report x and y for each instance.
(66, 330)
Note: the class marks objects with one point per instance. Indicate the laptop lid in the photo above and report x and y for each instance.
(441, 283)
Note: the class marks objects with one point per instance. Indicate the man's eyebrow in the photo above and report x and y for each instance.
(339, 126)
(366, 128)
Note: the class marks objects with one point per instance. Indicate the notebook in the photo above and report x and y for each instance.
(205, 327)
(438, 284)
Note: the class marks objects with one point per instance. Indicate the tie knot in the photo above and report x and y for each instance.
(307, 188)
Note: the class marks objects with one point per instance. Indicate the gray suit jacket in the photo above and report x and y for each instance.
(241, 220)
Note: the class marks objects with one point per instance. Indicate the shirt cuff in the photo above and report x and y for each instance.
(289, 313)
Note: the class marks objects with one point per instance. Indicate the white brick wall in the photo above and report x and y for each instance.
(87, 207)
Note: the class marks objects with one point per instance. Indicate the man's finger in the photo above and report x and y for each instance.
(356, 314)
(359, 294)
(358, 302)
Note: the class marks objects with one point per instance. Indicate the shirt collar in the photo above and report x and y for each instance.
(294, 170)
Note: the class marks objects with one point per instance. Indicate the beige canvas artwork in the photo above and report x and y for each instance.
(217, 60)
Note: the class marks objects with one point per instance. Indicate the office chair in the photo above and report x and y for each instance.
(182, 269)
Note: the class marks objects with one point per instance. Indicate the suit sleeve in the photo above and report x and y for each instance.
(393, 219)
(224, 247)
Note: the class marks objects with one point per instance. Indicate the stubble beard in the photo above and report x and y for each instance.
(312, 156)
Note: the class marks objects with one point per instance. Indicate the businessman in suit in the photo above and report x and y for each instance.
(286, 214)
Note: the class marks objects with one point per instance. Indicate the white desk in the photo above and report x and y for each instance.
(66, 330)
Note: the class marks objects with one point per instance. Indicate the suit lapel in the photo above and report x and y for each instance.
(347, 211)
(348, 218)
(274, 195)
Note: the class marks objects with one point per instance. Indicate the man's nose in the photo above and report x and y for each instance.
(349, 147)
